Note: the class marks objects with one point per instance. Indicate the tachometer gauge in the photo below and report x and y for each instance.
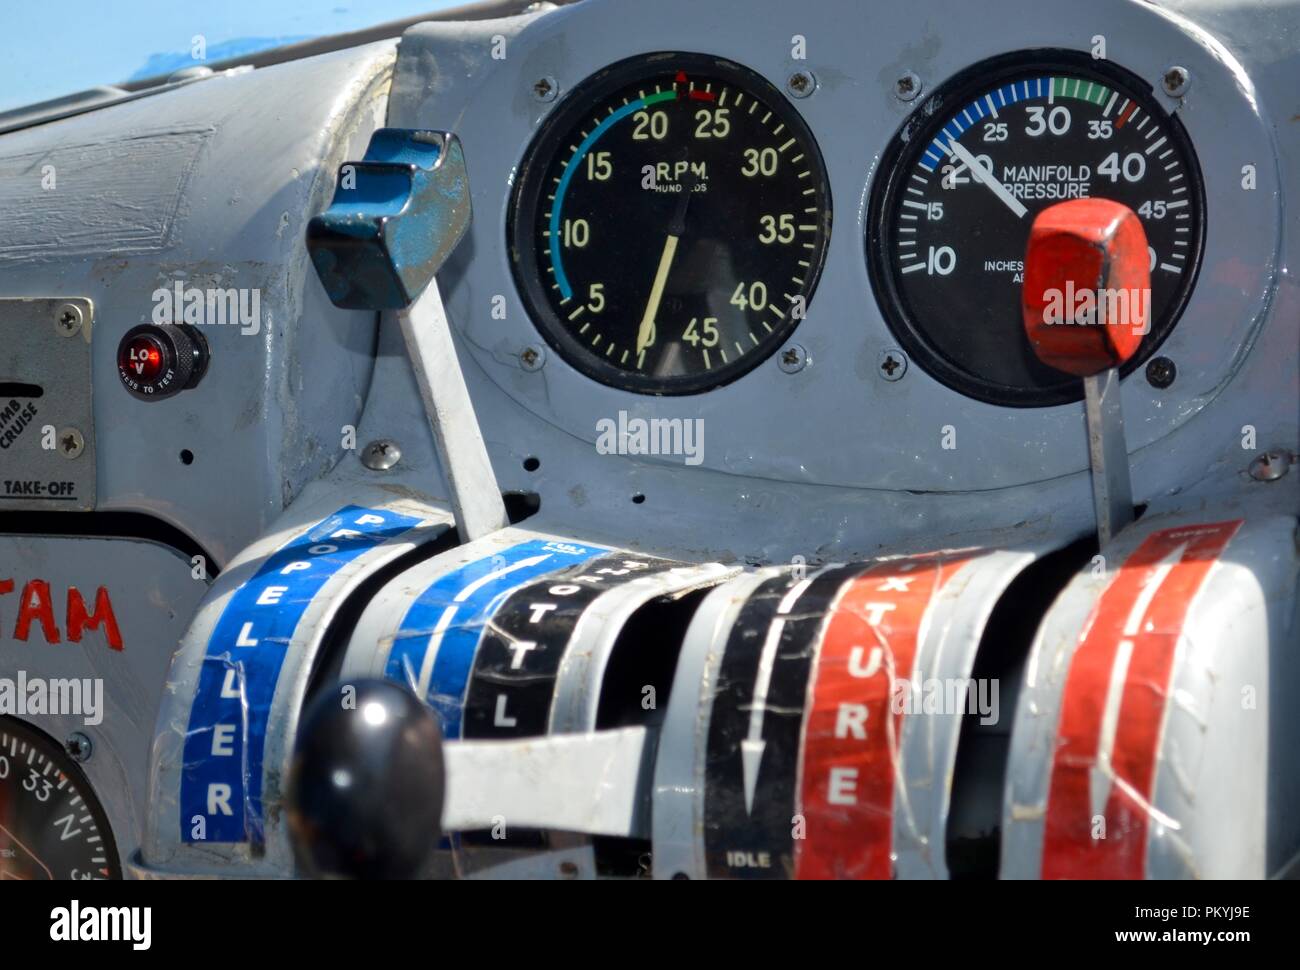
(51, 824)
(669, 224)
(958, 191)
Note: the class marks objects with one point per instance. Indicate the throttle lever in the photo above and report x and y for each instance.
(1088, 258)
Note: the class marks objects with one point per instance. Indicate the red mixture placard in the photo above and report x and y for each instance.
(1113, 707)
(852, 730)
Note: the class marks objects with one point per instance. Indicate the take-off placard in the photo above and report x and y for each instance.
(47, 426)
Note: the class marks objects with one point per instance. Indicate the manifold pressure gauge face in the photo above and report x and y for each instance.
(669, 224)
(960, 186)
(51, 824)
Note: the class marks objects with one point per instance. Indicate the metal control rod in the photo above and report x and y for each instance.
(1112, 489)
(475, 495)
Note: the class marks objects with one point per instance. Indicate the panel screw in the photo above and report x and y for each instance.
(568, 870)
(1270, 466)
(793, 359)
(907, 87)
(67, 319)
(1175, 81)
(545, 89)
(71, 443)
(78, 747)
(892, 364)
(381, 455)
(1161, 372)
(532, 358)
(800, 84)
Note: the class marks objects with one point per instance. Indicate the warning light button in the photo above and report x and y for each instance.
(142, 358)
(154, 362)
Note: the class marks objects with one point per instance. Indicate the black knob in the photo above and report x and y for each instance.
(154, 362)
(366, 784)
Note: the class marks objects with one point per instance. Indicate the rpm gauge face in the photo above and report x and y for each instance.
(669, 224)
(51, 824)
(964, 179)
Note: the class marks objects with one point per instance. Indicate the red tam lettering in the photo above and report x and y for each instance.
(36, 606)
(6, 586)
(79, 621)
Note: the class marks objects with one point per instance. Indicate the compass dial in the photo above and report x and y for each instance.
(51, 824)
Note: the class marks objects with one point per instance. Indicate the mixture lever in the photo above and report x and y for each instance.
(1086, 305)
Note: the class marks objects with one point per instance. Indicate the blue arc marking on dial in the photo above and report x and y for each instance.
(632, 107)
(1005, 95)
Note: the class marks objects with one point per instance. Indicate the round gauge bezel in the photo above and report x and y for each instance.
(64, 763)
(521, 237)
(910, 141)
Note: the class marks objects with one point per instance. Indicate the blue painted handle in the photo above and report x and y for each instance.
(396, 216)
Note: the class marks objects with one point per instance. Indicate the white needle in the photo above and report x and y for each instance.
(984, 175)
(646, 334)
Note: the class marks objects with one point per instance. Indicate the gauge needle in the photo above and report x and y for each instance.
(676, 229)
(984, 175)
(646, 332)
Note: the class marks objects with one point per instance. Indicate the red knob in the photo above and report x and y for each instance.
(1087, 290)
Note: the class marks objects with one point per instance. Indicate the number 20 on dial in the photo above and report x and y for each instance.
(670, 223)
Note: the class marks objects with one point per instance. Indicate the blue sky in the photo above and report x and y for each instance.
(50, 48)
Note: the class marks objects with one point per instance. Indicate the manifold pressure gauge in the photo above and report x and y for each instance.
(958, 191)
(669, 224)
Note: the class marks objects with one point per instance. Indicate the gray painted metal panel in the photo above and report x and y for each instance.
(47, 442)
(153, 591)
(237, 164)
(757, 446)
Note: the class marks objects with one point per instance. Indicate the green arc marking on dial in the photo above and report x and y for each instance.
(566, 291)
(1073, 87)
